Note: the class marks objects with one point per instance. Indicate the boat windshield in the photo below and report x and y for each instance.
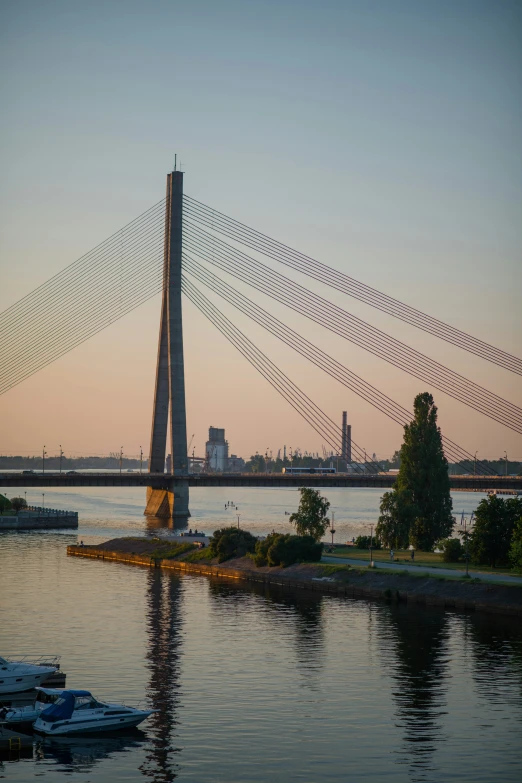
(47, 698)
(86, 703)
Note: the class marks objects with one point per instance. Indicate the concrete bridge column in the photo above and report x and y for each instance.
(167, 503)
(169, 418)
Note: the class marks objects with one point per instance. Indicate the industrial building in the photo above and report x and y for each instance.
(346, 441)
(216, 450)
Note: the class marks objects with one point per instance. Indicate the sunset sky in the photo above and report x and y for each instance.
(381, 138)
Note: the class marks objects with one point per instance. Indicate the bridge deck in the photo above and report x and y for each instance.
(166, 481)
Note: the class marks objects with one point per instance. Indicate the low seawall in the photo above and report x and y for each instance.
(350, 583)
(39, 521)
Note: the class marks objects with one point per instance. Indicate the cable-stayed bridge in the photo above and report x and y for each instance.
(179, 245)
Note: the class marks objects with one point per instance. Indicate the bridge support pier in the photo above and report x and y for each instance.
(167, 504)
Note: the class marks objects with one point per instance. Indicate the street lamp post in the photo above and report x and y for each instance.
(505, 454)
(61, 455)
(332, 529)
(238, 521)
(43, 459)
(121, 458)
(475, 465)
(43, 500)
(371, 544)
(141, 459)
(466, 538)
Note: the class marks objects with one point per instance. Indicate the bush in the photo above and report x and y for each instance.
(18, 503)
(452, 550)
(285, 550)
(231, 542)
(363, 542)
(5, 504)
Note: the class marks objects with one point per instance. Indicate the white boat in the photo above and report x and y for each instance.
(77, 712)
(26, 673)
(28, 713)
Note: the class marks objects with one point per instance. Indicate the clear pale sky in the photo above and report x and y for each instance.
(382, 138)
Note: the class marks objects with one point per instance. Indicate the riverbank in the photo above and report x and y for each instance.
(339, 580)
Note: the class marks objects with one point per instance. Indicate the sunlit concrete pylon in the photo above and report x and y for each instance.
(169, 417)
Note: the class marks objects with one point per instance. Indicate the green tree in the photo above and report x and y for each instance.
(310, 518)
(515, 550)
(18, 503)
(397, 515)
(423, 480)
(395, 461)
(491, 539)
(5, 504)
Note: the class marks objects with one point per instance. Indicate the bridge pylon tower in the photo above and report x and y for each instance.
(169, 416)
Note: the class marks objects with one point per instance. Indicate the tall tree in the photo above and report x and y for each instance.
(420, 500)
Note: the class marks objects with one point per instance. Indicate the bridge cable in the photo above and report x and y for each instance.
(348, 285)
(87, 278)
(311, 412)
(302, 300)
(318, 357)
(79, 264)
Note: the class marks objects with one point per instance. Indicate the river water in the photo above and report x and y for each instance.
(254, 684)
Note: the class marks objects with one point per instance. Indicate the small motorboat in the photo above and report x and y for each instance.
(77, 712)
(27, 673)
(28, 713)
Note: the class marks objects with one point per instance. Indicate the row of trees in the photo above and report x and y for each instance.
(496, 538)
(15, 504)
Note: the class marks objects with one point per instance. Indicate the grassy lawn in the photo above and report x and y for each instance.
(432, 559)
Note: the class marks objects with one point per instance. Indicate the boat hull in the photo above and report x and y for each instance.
(90, 725)
(16, 681)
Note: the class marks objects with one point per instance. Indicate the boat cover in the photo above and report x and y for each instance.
(63, 708)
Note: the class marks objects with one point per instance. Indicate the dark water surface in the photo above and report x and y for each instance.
(255, 684)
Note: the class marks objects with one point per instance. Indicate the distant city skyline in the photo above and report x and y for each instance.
(382, 141)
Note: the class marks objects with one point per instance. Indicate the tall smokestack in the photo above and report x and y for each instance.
(348, 444)
(343, 436)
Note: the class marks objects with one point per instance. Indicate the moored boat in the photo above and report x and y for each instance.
(28, 713)
(26, 673)
(77, 712)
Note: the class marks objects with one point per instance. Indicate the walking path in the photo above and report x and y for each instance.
(417, 569)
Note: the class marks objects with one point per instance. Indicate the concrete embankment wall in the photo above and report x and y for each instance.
(488, 598)
(36, 521)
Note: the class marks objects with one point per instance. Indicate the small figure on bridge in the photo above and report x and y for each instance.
(413, 554)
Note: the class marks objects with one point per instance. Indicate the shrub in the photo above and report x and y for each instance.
(231, 542)
(452, 550)
(285, 550)
(363, 542)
